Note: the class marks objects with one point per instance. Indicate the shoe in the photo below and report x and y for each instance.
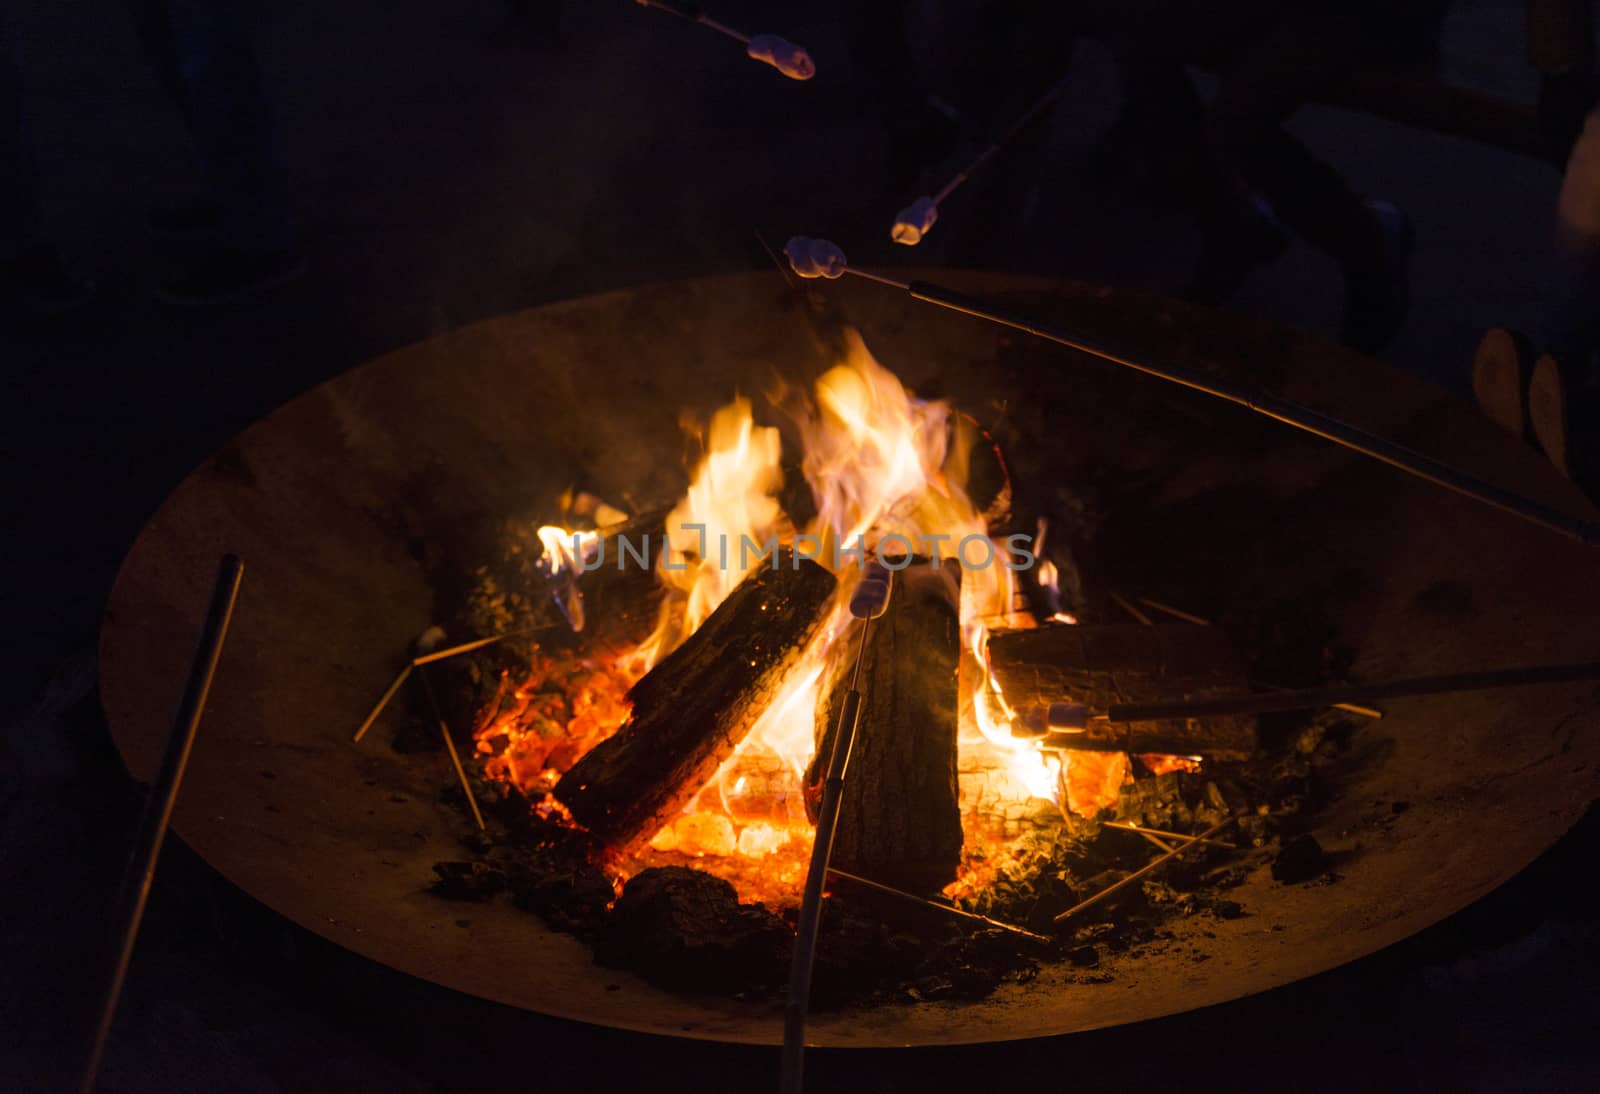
(1377, 283)
(228, 274)
(40, 277)
(1549, 413)
(1501, 371)
(192, 216)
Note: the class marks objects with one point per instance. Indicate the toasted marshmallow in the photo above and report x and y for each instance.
(914, 221)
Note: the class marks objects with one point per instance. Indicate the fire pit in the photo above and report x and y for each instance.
(345, 502)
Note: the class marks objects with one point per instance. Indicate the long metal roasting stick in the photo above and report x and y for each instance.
(917, 219)
(163, 792)
(870, 600)
(1306, 698)
(1154, 864)
(1199, 621)
(788, 58)
(948, 909)
(819, 258)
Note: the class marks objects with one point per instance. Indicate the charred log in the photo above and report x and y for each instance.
(1099, 666)
(900, 816)
(692, 709)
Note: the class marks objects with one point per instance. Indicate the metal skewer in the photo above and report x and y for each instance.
(909, 217)
(1306, 698)
(1264, 403)
(870, 600)
(163, 793)
(788, 58)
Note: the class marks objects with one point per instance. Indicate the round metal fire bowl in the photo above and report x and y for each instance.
(333, 499)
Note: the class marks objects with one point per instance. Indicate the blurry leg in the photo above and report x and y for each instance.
(19, 196)
(29, 267)
(201, 51)
(1570, 329)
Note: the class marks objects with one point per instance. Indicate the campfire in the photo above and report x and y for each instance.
(655, 689)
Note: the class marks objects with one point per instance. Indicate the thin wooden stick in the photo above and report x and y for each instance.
(383, 701)
(163, 794)
(948, 909)
(1127, 605)
(1176, 613)
(1129, 826)
(465, 647)
(450, 746)
(1308, 698)
(1144, 870)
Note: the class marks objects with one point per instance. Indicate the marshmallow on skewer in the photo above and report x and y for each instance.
(811, 258)
(791, 60)
(915, 221)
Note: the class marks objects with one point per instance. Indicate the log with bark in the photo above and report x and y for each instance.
(693, 708)
(899, 815)
(1102, 665)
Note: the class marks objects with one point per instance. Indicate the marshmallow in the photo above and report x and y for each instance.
(815, 257)
(788, 58)
(914, 221)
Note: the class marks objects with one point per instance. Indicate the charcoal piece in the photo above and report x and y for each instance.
(474, 881)
(570, 898)
(1301, 859)
(692, 709)
(686, 930)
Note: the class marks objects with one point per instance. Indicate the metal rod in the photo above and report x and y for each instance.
(792, 1064)
(450, 746)
(1143, 870)
(948, 909)
(695, 14)
(1271, 406)
(1306, 698)
(141, 869)
(1006, 136)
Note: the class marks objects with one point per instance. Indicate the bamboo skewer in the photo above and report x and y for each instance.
(450, 746)
(948, 909)
(1129, 826)
(383, 701)
(1150, 867)
(1306, 698)
(1176, 613)
(1127, 605)
(1261, 402)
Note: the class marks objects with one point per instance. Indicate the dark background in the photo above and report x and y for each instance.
(446, 168)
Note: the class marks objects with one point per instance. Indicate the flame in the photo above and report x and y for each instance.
(888, 474)
(716, 533)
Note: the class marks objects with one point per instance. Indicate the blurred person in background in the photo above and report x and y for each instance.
(1544, 388)
(202, 53)
(1250, 181)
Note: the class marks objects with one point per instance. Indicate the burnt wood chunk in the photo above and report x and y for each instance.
(900, 816)
(697, 704)
(1124, 663)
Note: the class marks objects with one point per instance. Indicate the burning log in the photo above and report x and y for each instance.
(693, 709)
(900, 818)
(1100, 666)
